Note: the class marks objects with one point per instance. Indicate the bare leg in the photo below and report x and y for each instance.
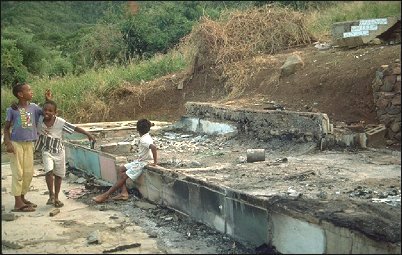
(27, 202)
(124, 191)
(18, 202)
(49, 183)
(57, 186)
(119, 184)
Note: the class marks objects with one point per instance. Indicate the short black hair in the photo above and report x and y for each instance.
(18, 88)
(51, 103)
(143, 126)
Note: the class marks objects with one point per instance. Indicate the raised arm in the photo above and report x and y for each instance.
(48, 95)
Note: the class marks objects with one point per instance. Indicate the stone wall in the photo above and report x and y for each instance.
(387, 99)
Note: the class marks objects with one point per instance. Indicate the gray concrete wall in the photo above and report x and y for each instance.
(249, 219)
(265, 124)
(253, 220)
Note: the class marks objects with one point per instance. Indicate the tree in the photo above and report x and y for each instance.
(12, 68)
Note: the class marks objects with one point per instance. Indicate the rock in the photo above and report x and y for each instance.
(152, 235)
(94, 237)
(54, 212)
(72, 177)
(241, 159)
(291, 65)
(3, 189)
(81, 180)
(323, 46)
(195, 164)
(389, 82)
(395, 127)
(11, 245)
(3, 208)
(144, 205)
(376, 41)
(396, 100)
(8, 216)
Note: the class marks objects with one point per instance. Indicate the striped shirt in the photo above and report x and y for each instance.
(50, 138)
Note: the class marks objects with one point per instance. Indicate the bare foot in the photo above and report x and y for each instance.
(120, 196)
(100, 198)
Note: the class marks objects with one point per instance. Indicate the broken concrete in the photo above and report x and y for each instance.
(307, 188)
(360, 32)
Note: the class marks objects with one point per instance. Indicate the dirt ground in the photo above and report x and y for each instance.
(336, 82)
(157, 230)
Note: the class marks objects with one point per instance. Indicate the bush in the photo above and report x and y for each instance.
(12, 69)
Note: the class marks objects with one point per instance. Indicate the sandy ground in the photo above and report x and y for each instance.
(158, 229)
(67, 232)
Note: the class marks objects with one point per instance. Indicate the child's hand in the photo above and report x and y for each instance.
(91, 138)
(48, 95)
(10, 148)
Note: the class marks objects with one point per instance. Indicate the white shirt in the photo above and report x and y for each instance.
(144, 152)
(50, 137)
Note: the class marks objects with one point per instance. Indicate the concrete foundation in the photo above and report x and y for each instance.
(252, 215)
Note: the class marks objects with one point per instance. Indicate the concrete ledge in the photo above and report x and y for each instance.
(265, 124)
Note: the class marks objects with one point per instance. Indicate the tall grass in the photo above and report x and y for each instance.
(71, 91)
(319, 21)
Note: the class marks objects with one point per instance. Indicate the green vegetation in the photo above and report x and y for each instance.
(320, 20)
(85, 50)
(71, 91)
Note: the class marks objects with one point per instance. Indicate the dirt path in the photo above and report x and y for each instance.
(66, 232)
(159, 230)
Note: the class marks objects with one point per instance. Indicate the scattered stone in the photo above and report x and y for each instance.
(8, 216)
(3, 208)
(113, 217)
(11, 245)
(54, 212)
(81, 180)
(94, 237)
(291, 65)
(72, 177)
(4, 177)
(241, 159)
(144, 205)
(122, 247)
(3, 189)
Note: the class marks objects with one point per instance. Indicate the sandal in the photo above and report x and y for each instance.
(30, 203)
(25, 208)
(58, 203)
(50, 201)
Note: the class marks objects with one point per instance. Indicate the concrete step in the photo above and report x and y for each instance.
(355, 33)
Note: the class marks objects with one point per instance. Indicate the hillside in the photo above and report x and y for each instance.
(336, 82)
